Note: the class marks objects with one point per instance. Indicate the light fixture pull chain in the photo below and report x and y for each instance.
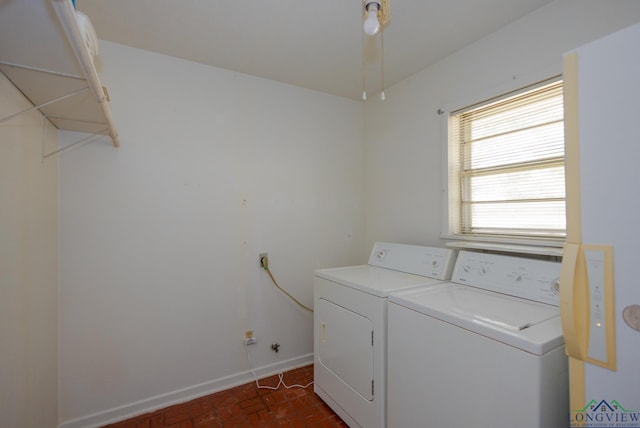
(364, 70)
(382, 96)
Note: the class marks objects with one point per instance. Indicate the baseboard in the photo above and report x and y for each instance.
(182, 395)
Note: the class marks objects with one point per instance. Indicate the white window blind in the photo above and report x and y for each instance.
(507, 171)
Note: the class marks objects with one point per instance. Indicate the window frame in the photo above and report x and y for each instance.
(451, 159)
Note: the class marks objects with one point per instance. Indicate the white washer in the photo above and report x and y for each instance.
(350, 321)
(485, 350)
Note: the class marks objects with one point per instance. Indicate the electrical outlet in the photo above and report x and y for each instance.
(263, 260)
(249, 338)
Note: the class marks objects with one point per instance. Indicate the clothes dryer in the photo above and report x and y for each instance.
(350, 321)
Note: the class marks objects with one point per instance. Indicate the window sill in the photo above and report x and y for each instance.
(507, 248)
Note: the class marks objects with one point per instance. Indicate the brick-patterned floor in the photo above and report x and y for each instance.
(247, 406)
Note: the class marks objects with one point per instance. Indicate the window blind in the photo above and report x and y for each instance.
(510, 172)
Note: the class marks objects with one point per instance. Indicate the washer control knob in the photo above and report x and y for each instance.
(555, 286)
(381, 255)
(435, 263)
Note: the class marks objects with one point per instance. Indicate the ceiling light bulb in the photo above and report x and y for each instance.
(371, 24)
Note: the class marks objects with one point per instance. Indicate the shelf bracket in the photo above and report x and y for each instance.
(42, 70)
(78, 143)
(38, 107)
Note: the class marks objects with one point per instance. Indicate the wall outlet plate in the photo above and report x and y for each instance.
(262, 256)
(249, 338)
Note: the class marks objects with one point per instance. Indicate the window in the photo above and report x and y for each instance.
(506, 166)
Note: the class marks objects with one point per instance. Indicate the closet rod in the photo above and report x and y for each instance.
(64, 97)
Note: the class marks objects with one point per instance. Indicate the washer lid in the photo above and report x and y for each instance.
(374, 280)
(531, 326)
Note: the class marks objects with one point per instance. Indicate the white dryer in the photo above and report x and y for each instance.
(350, 321)
(485, 350)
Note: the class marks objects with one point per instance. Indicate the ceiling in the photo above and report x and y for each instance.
(317, 45)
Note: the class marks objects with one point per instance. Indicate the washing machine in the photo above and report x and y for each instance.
(484, 350)
(350, 322)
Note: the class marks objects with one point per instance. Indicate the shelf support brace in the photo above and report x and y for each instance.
(76, 144)
(64, 97)
(42, 70)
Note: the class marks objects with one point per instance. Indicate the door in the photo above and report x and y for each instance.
(602, 111)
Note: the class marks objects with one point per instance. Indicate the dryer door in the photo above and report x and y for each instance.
(345, 346)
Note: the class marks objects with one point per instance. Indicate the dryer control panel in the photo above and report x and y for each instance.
(432, 262)
(532, 279)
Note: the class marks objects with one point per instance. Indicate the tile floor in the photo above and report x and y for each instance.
(247, 406)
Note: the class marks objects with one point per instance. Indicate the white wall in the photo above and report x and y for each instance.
(28, 267)
(404, 133)
(160, 238)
